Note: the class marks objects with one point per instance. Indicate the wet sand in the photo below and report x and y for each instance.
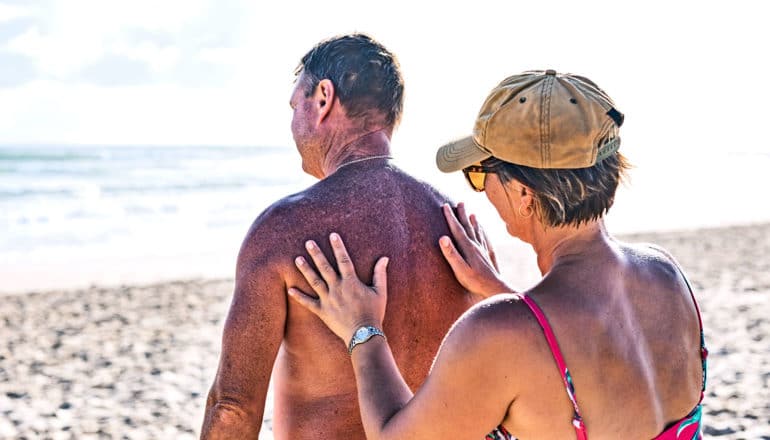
(136, 362)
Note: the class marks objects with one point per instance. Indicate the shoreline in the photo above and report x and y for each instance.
(137, 360)
(143, 271)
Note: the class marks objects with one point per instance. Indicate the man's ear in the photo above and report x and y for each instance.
(325, 98)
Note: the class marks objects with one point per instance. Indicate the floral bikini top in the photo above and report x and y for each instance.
(689, 427)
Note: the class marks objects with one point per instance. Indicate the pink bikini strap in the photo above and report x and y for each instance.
(577, 419)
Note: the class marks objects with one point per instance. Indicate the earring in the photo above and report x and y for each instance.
(531, 211)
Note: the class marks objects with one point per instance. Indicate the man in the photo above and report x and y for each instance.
(347, 102)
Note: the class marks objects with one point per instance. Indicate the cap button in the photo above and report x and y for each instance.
(550, 72)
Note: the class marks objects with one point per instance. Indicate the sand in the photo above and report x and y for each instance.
(136, 362)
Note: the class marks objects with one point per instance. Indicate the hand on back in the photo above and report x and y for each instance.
(344, 303)
(474, 263)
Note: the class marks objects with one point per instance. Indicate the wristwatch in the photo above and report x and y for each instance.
(363, 334)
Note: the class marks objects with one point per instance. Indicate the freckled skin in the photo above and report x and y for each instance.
(378, 210)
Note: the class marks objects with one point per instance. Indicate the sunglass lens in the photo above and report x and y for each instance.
(477, 179)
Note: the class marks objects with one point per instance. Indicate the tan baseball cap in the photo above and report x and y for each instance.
(540, 119)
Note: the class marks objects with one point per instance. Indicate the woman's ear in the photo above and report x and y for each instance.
(325, 95)
(524, 192)
(526, 200)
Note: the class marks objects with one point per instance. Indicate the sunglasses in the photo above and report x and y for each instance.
(476, 175)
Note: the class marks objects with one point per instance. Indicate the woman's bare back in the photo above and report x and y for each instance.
(630, 337)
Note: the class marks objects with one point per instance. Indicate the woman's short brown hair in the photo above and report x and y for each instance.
(565, 197)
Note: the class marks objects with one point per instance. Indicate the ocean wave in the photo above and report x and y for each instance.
(72, 197)
(27, 192)
(174, 188)
(50, 156)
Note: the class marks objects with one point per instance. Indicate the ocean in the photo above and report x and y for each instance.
(72, 216)
(76, 215)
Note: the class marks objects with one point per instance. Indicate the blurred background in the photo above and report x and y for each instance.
(138, 140)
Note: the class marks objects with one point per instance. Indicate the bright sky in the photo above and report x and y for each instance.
(687, 75)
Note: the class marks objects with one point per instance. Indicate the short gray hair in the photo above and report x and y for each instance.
(366, 76)
(568, 196)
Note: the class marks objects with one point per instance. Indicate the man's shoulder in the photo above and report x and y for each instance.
(280, 222)
(282, 208)
(283, 212)
(299, 215)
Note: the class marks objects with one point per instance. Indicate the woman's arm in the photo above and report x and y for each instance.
(466, 395)
(468, 391)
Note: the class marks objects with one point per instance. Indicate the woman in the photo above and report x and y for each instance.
(609, 342)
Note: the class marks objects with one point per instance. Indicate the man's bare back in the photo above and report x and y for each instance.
(381, 204)
(315, 392)
(346, 102)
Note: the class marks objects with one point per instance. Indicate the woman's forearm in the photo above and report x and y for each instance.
(382, 391)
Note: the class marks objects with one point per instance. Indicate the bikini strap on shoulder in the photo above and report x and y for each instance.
(577, 419)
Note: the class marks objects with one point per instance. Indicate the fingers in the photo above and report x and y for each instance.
(318, 285)
(306, 301)
(462, 216)
(324, 268)
(457, 230)
(477, 230)
(483, 238)
(380, 278)
(489, 248)
(344, 263)
(452, 256)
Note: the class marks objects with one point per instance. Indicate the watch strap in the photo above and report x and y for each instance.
(368, 332)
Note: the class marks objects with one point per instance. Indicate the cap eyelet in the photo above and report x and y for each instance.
(573, 100)
(523, 99)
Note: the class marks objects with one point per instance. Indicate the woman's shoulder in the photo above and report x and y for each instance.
(654, 261)
(649, 272)
(503, 316)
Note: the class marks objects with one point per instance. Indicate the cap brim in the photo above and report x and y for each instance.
(459, 154)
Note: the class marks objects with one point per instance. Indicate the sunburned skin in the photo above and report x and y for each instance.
(629, 334)
(379, 211)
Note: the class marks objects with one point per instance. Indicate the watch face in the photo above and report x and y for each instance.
(361, 333)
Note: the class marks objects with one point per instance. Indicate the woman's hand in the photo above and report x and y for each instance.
(475, 265)
(344, 303)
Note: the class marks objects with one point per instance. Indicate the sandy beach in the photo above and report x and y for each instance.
(136, 362)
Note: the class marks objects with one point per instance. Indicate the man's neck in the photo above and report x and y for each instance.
(374, 143)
